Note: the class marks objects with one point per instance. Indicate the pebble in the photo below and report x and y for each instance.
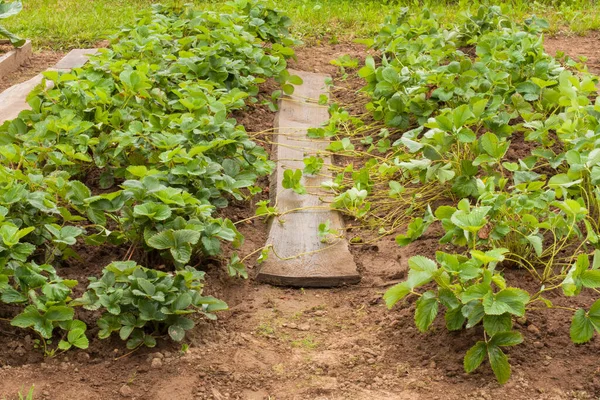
(156, 363)
(539, 345)
(159, 355)
(304, 327)
(370, 351)
(533, 329)
(126, 391)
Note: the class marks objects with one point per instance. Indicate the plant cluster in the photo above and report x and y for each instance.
(137, 149)
(476, 118)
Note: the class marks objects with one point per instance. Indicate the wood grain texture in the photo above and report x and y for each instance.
(299, 258)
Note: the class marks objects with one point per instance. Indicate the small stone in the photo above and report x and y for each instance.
(539, 345)
(292, 326)
(370, 351)
(126, 391)
(143, 368)
(156, 363)
(46, 393)
(533, 329)
(159, 355)
(217, 395)
(304, 327)
(320, 313)
(371, 361)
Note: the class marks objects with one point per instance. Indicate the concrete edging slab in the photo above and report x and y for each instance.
(12, 60)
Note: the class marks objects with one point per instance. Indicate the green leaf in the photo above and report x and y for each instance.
(460, 115)
(426, 311)
(590, 278)
(10, 8)
(77, 338)
(536, 243)
(454, 319)
(494, 324)
(582, 328)
(126, 331)
(146, 286)
(295, 80)
(152, 210)
(177, 241)
(59, 313)
(183, 301)
(511, 300)
(474, 357)
(499, 363)
(176, 332)
(396, 293)
(511, 338)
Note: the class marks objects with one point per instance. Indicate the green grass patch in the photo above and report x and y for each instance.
(65, 24)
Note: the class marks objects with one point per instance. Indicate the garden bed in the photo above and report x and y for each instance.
(286, 343)
(272, 342)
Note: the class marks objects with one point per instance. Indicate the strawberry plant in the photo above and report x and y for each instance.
(476, 118)
(140, 303)
(136, 148)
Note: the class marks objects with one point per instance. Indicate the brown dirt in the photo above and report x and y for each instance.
(39, 61)
(587, 46)
(281, 343)
(5, 48)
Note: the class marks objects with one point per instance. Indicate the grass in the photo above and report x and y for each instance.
(65, 24)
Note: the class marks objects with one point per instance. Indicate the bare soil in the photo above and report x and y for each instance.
(39, 61)
(577, 46)
(282, 343)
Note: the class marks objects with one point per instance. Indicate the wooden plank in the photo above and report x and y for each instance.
(14, 99)
(12, 60)
(299, 258)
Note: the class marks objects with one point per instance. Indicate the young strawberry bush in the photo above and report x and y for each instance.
(135, 298)
(473, 127)
(150, 118)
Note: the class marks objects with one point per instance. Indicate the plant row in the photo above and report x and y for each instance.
(472, 129)
(136, 149)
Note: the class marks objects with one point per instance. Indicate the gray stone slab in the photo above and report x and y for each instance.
(299, 257)
(75, 59)
(14, 99)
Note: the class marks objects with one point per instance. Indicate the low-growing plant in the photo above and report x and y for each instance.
(142, 303)
(475, 118)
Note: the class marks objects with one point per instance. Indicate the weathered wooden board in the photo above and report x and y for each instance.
(299, 257)
(14, 99)
(12, 60)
